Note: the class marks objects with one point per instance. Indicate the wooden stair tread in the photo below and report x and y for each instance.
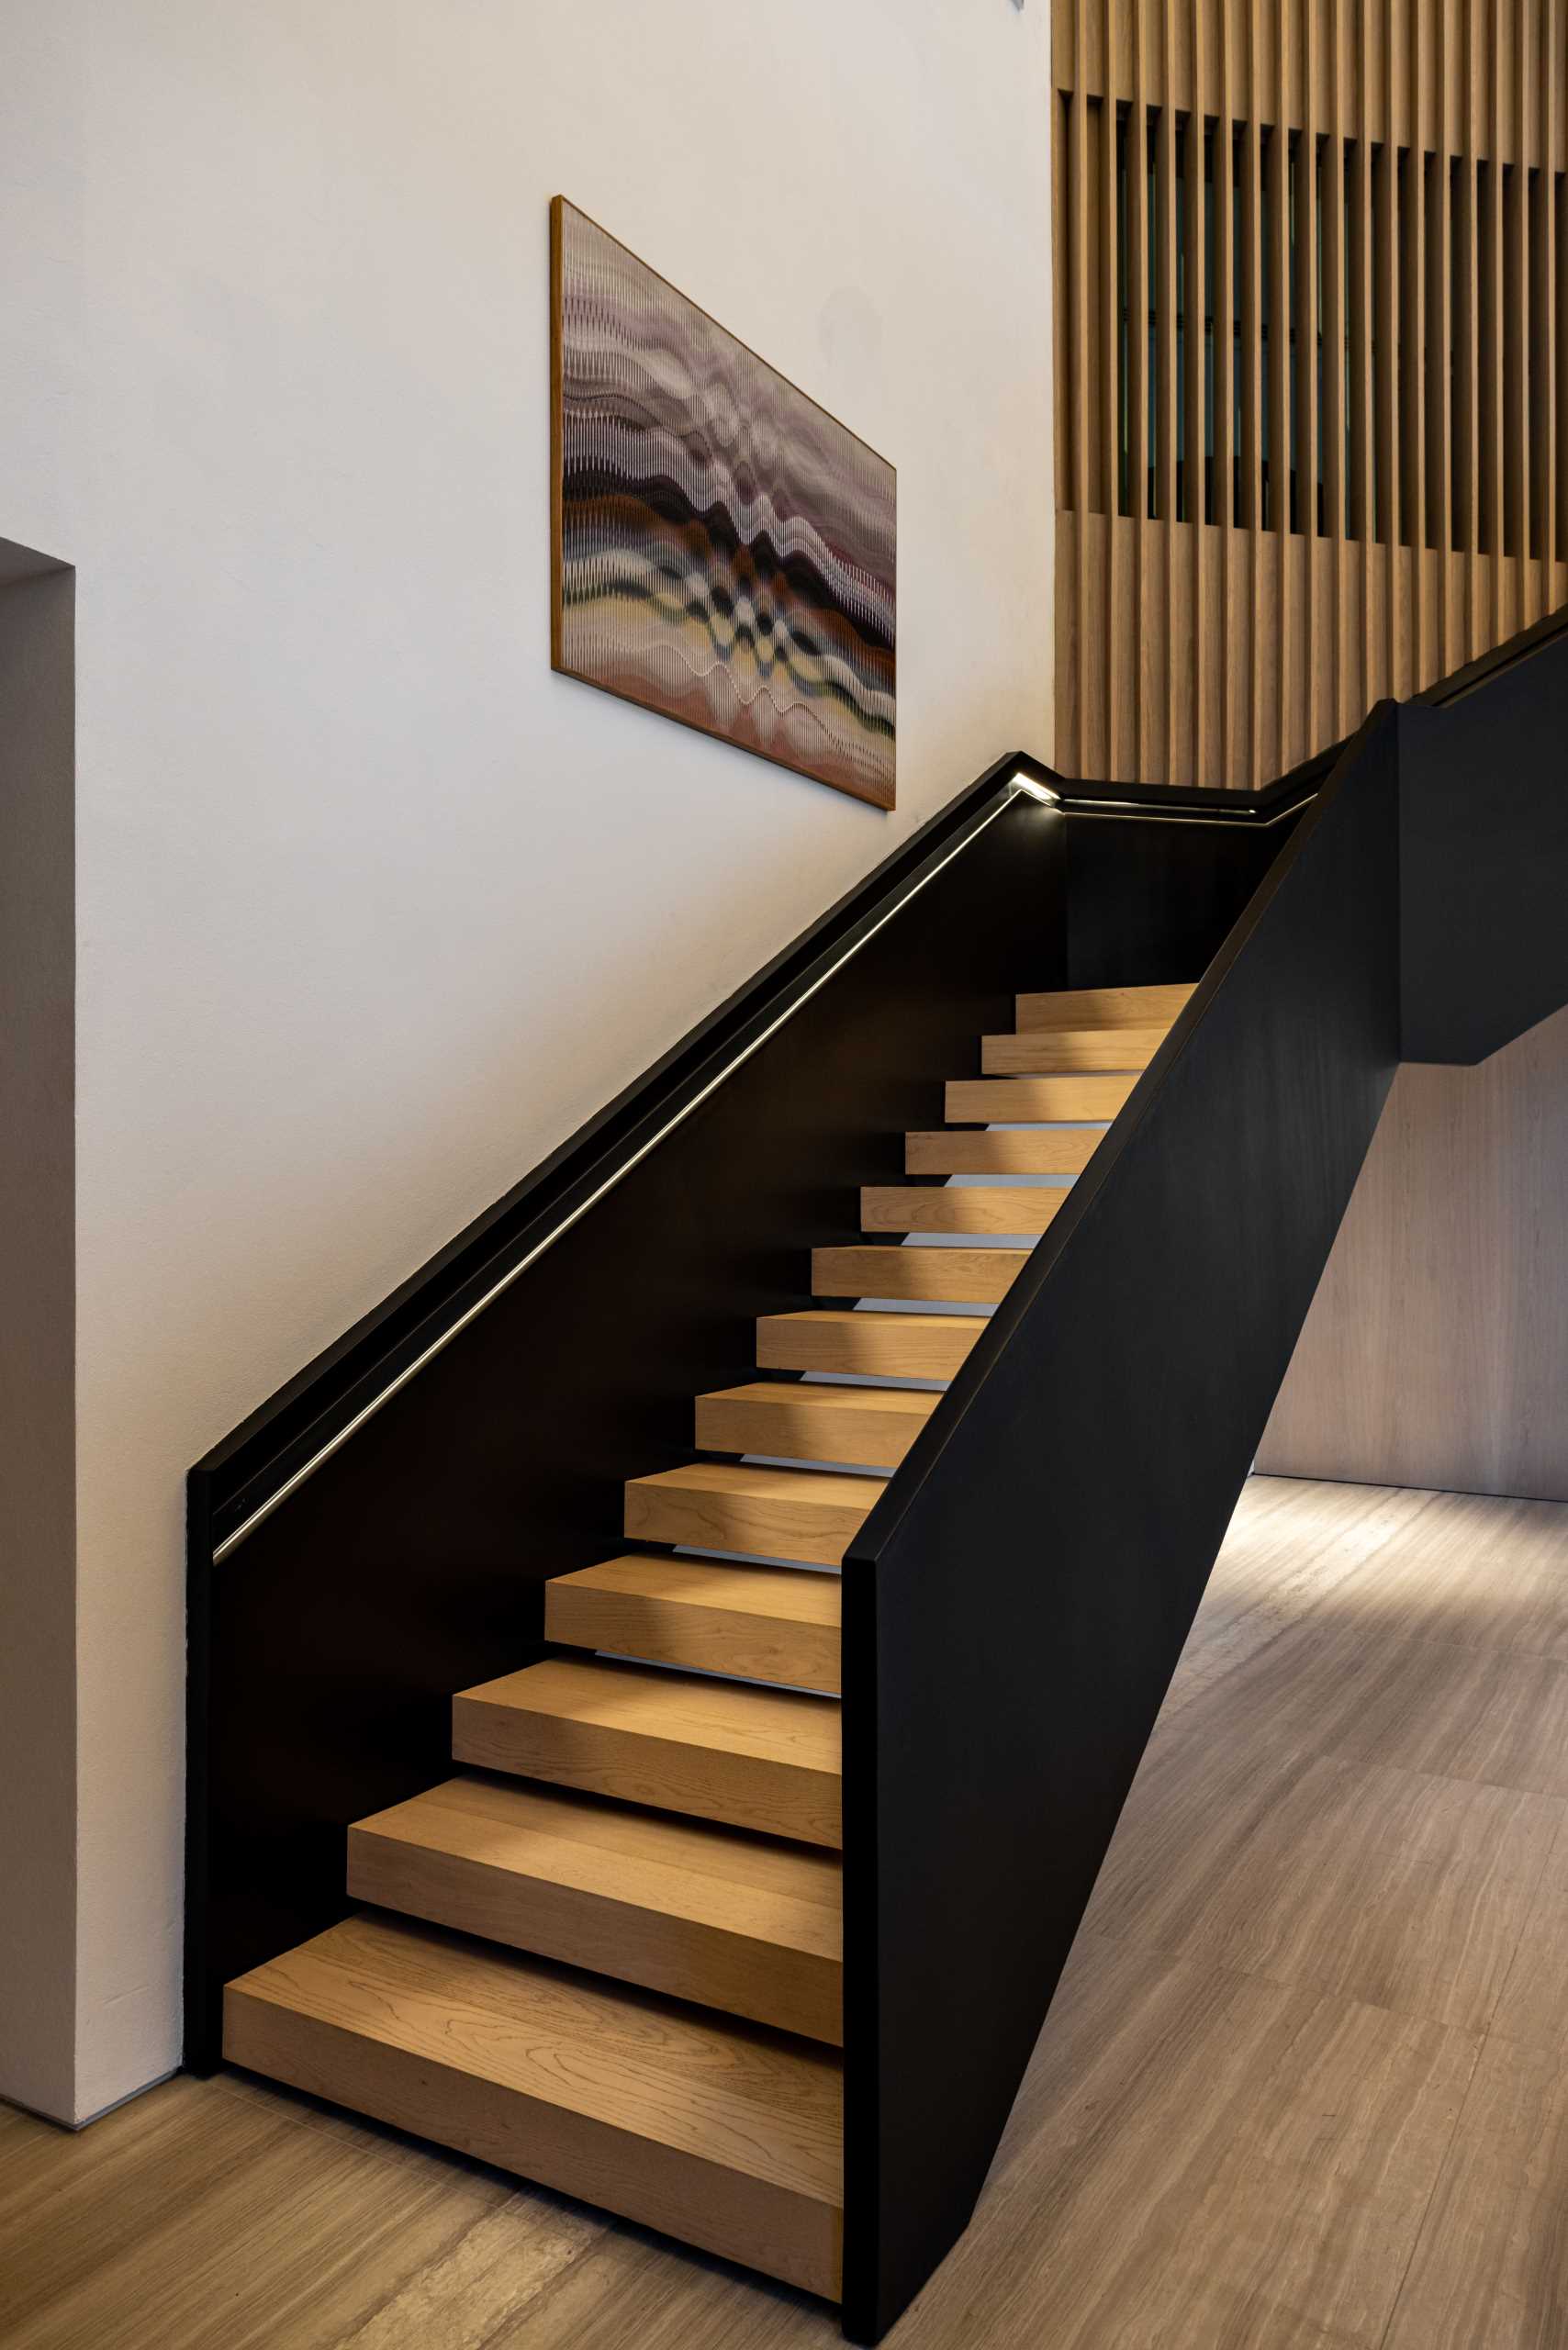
(967, 1208)
(968, 1276)
(724, 2136)
(1034, 1050)
(1024, 1150)
(776, 1724)
(808, 1514)
(744, 1923)
(981, 1100)
(1104, 1007)
(759, 1622)
(901, 1346)
(799, 1596)
(758, 1758)
(858, 1425)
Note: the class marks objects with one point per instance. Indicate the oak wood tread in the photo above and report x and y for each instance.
(965, 1276)
(743, 1923)
(862, 1426)
(1105, 1007)
(967, 1207)
(1003, 1150)
(981, 1100)
(807, 1514)
(897, 1346)
(719, 2133)
(1041, 1050)
(758, 1623)
(766, 1760)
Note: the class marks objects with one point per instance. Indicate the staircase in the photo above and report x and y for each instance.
(607, 1956)
(628, 1916)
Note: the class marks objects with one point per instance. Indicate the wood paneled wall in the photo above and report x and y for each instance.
(1436, 1351)
(1326, 465)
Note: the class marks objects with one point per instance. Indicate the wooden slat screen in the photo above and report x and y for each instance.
(1312, 390)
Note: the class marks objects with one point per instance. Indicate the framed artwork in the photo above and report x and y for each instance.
(723, 550)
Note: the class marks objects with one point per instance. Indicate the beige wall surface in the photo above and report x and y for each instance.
(374, 911)
(1436, 1352)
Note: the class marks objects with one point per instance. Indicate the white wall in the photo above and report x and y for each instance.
(373, 910)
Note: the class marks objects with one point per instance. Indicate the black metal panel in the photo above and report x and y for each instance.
(1016, 1604)
(325, 1648)
(1149, 900)
(1483, 853)
(1152, 890)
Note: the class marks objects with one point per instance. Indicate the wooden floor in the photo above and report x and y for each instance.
(1306, 2084)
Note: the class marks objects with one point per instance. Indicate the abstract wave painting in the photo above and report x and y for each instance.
(723, 550)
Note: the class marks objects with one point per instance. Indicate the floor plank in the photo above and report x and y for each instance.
(1338, 1680)
(1534, 2005)
(1484, 1574)
(1291, 1546)
(1492, 1715)
(1211, 2159)
(1489, 2271)
(189, 2220)
(1397, 1888)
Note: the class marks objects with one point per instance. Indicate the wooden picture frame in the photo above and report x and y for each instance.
(723, 550)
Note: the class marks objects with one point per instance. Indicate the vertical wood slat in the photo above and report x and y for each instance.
(1387, 337)
(1511, 288)
(1333, 417)
(1518, 424)
(1061, 333)
(1493, 332)
(1412, 358)
(1467, 347)
(1194, 455)
(1439, 338)
(1136, 426)
(1224, 379)
(1551, 261)
(1277, 210)
(1303, 710)
(1543, 421)
(1362, 420)
(1252, 756)
(1560, 300)
(1079, 197)
(1110, 401)
(1166, 138)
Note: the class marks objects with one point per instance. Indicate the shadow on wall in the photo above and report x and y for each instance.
(37, 1525)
